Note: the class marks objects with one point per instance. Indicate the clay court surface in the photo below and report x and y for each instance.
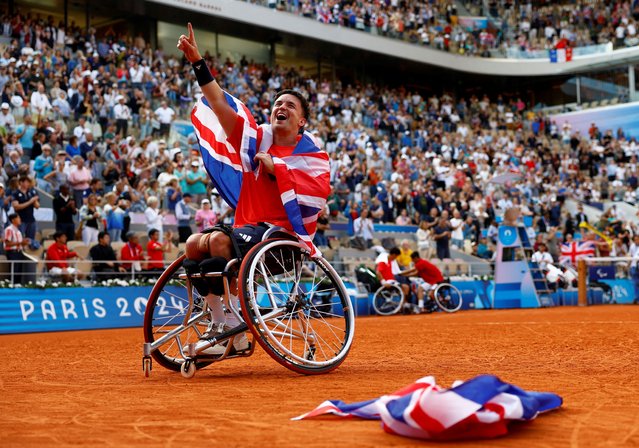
(87, 388)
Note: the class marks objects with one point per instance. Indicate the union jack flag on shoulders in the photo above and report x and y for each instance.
(481, 407)
(302, 177)
(574, 250)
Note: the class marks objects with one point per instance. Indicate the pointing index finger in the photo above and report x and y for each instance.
(191, 35)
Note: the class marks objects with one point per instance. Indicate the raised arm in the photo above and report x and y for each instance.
(210, 88)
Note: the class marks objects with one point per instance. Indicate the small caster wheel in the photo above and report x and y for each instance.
(188, 368)
(147, 366)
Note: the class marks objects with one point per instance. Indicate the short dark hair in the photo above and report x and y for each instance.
(395, 251)
(102, 234)
(305, 107)
(12, 216)
(415, 254)
(57, 234)
(153, 231)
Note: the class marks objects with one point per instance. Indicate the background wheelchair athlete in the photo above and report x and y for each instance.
(428, 278)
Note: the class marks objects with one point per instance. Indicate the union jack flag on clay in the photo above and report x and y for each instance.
(573, 251)
(478, 408)
(303, 178)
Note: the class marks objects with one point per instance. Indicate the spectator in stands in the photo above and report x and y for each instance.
(441, 235)
(87, 145)
(73, 149)
(79, 179)
(165, 115)
(91, 220)
(323, 224)
(57, 258)
(40, 104)
(25, 133)
(363, 229)
(154, 216)
(105, 264)
(65, 209)
(457, 230)
(5, 205)
(132, 255)
(205, 217)
(173, 194)
(7, 120)
(115, 211)
(43, 166)
(405, 251)
(183, 214)
(222, 210)
(542, 257)
(155, 250)
(482, 249)
(25, 203)
(14, 243)
(12, 166)
(196, 180)
(122, 114)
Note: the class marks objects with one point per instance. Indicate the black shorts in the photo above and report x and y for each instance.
(402, 280)
(248, 236)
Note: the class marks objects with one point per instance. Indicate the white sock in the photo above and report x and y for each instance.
(231, 320)
(215, 305)
(420, 303)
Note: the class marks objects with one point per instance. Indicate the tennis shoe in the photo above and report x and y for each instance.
(240, 343)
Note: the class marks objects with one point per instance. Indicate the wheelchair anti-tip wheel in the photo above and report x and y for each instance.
(448, 297)
(164, 318)
(283, 293)
(388, 300)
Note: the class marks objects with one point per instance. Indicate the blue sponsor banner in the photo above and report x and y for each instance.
(62, 309)
(596, 273)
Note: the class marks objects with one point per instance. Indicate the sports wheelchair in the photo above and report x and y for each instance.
(389, 298)
(282, 295)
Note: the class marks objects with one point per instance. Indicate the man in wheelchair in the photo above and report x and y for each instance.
(429, 276)
(281, 173)
(389, 272)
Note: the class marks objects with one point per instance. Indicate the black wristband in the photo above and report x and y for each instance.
(202, 72)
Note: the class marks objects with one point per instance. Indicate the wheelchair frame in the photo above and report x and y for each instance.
(188, 357)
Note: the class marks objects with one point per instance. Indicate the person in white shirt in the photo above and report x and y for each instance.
(363, 227)
(7, 120)
(221, 208)
(542, 257)
(457, 227)
(154, 216)
(122, 114)
(81, 130)
(165, 115)
(40, 104)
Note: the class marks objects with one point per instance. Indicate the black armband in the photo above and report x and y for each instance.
(202, 72)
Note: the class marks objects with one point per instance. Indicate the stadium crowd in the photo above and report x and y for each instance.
(86, 119)
(526, 26)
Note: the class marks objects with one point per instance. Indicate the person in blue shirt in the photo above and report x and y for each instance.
(72, 148)
(25, 132)
(43, 166)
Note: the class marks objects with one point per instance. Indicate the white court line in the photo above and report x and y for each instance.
(599, 322)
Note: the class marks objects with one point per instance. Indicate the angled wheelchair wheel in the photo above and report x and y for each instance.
(388, 300)
(164, 319)
(296, 306)
(448, 297)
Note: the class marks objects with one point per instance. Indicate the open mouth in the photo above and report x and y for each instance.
(281, 116)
